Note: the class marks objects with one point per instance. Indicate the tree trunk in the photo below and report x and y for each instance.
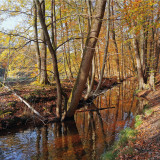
(36, 41)
(138, 60)
(52, 50)
(154, 57)
(157, 53)
(53, 23)
(68, 58)
(92, 70)
(86, 60)
(81, 30)
(106, 50)
(115, 44)
(132, 57)
(44, 76)
(62, 38)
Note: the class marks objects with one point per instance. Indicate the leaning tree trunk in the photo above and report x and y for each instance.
(86, 60)
(52, 50)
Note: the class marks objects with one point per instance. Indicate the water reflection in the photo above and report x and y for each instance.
(95, 128)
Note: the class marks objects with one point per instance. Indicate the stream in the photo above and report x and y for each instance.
(87, 137)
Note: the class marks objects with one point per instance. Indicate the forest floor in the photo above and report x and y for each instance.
(15, 114)
(147, 144)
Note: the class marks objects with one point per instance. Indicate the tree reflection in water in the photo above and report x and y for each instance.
(92, 132)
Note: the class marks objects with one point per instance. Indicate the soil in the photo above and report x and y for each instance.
(15, 114)
(147, 145)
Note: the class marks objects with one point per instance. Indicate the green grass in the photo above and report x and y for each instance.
(148, 112)
(138, 121)
(125, 136)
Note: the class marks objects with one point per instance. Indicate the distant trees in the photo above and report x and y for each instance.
(141, 21)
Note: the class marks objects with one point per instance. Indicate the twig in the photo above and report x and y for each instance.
(95, 109)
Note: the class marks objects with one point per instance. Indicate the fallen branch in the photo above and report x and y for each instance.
(25, 102)
(94, 109)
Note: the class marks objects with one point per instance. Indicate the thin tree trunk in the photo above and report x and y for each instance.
(92, 70)
(133, 61)
(154, 58)
(115, 44)
(36, 41)
(53, 23)
(81, 31)
(44, 76)
(157, 53)
(106, 50)
(138, 60)
(68, 57)
(91, 81)
(64, 49)
(52, 50)
(144, 42)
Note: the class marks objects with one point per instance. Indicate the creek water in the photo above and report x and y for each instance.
(87, 137)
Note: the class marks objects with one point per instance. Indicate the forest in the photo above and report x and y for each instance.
(80, 65)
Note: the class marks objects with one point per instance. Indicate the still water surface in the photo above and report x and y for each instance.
(88, 137)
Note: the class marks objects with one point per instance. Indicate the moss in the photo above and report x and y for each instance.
(110, 155)
(30, 97)
(148, 112)
(125, 136)
(11, 104)
(138, 121)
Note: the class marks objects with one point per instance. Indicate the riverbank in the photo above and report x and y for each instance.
(142, 142)
(147, 144)
(15, 114)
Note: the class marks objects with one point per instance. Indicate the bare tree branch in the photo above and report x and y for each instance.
(72, 38)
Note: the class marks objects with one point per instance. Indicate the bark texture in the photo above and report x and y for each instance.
(86, 60)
